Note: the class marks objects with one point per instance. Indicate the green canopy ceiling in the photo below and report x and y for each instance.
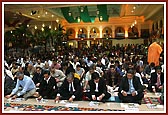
(84, 14)
(103, 12)
(88, 13)
(65, 12)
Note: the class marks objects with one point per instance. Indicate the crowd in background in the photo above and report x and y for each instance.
(111, 64)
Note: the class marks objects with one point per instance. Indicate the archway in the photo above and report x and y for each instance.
(82, 33)
(132, 32)
(107, 32)
(71, 33)
(94, 32)
(119, 32)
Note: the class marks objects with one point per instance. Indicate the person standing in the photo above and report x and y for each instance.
(154, 52)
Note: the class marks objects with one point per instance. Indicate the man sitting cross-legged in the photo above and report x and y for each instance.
(70, 89)
(130, 88)
(27, 85)
(48, 86)
(98, 89)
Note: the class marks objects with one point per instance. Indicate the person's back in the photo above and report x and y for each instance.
(154, 52)
(9, 85)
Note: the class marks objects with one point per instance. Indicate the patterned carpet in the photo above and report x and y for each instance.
(29, 107)
(151, 100)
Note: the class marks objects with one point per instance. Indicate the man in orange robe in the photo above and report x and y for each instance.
(154, 52)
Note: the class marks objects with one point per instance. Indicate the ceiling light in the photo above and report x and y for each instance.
(97, 12)
(78, 19)
(43, 25)
(101, 18)
(46, 12)
(52, 15)
(132, 11)
(82, 9)
(42, 29)
(134, 7)
(57, 20)
(38, 16)
(69, 13)
(35, 27)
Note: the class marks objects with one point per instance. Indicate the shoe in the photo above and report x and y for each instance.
(123, 101)
(103, 100)
(25, 98)
(139, 102)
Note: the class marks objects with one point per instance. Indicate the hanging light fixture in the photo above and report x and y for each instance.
(70, 14)
(57, 20)
(97, 12)
(35, 27)
(49, 26)
(101, 18)
(79, 19)
(43, 25)
(134, 7)
(81, 8)
(135, 21)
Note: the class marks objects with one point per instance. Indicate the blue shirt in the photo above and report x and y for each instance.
(119, 71)
(131, 87)
(27, 84)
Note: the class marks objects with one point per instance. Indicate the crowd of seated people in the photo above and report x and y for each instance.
(95, 74)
